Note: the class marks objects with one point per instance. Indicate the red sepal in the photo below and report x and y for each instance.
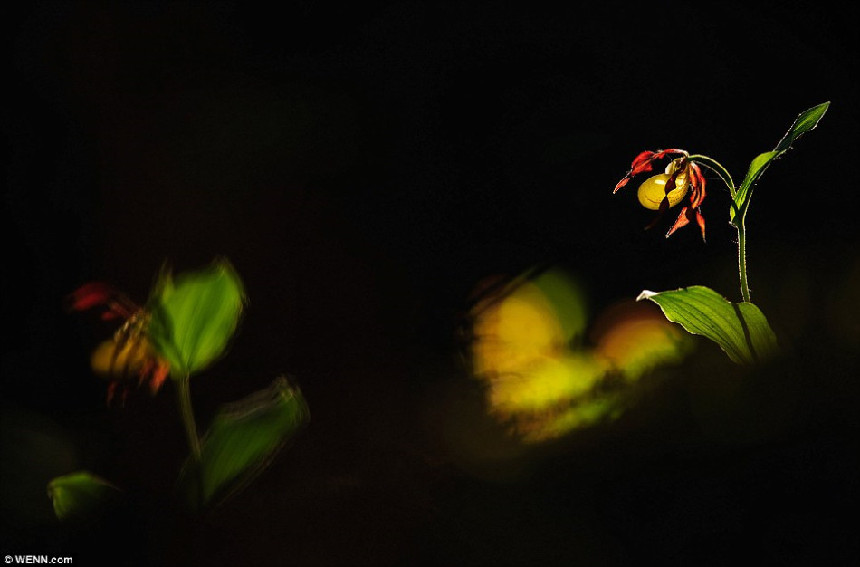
(687, 215)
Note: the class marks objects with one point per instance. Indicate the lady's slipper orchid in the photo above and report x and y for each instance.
(663, 191)
(128, 354)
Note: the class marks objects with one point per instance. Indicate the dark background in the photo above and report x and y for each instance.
(363, 165)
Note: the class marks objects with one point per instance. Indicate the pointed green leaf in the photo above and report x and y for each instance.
(806, 121)
(242, 440)
(194, 317)
(80, 495)
(740, 329)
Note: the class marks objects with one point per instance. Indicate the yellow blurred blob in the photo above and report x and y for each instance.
(539, 402)
(635, 338)
(544, 384)
(541, 379)
(517, 333)
(120, 360)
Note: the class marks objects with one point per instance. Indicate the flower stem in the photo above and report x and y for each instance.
(742, 260)
(188, 416)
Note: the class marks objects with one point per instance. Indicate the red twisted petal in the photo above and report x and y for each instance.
(698, 182)
(682, 220)
(644, 162)
(687, 215)
(660, 154)
(670, 183)
(641, 163)
(621, 184)
(700, 220)
(643, 159)
(664, 206)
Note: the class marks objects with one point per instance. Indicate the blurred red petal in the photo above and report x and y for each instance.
(162, 370)
(111, 392)
(145, 371)
(89, 295)
(123, 307)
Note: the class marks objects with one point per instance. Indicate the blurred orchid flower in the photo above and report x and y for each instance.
(128, 356)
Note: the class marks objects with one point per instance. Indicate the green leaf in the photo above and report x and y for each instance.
(193, 318)
(806, 121)
(756, 169)
(740, 329)
(243, 439)
(80, 495)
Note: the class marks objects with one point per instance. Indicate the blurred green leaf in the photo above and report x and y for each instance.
(242, 440)
(80, 495)
(194, 317)
(806, 121)
(740, 329)
(567, 300)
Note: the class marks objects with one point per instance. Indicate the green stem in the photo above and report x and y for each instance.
(742, 260)
(717, 168)
(188, 416)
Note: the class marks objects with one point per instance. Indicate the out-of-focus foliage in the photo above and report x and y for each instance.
(242, 440)
(34, 450)
(540, 376)
(80, 495)
(843, 310)
(634, 341)
(535, 322)
(740, 329)
(185, 326)
(194, 317)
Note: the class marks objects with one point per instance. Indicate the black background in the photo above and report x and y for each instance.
(363, 165)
